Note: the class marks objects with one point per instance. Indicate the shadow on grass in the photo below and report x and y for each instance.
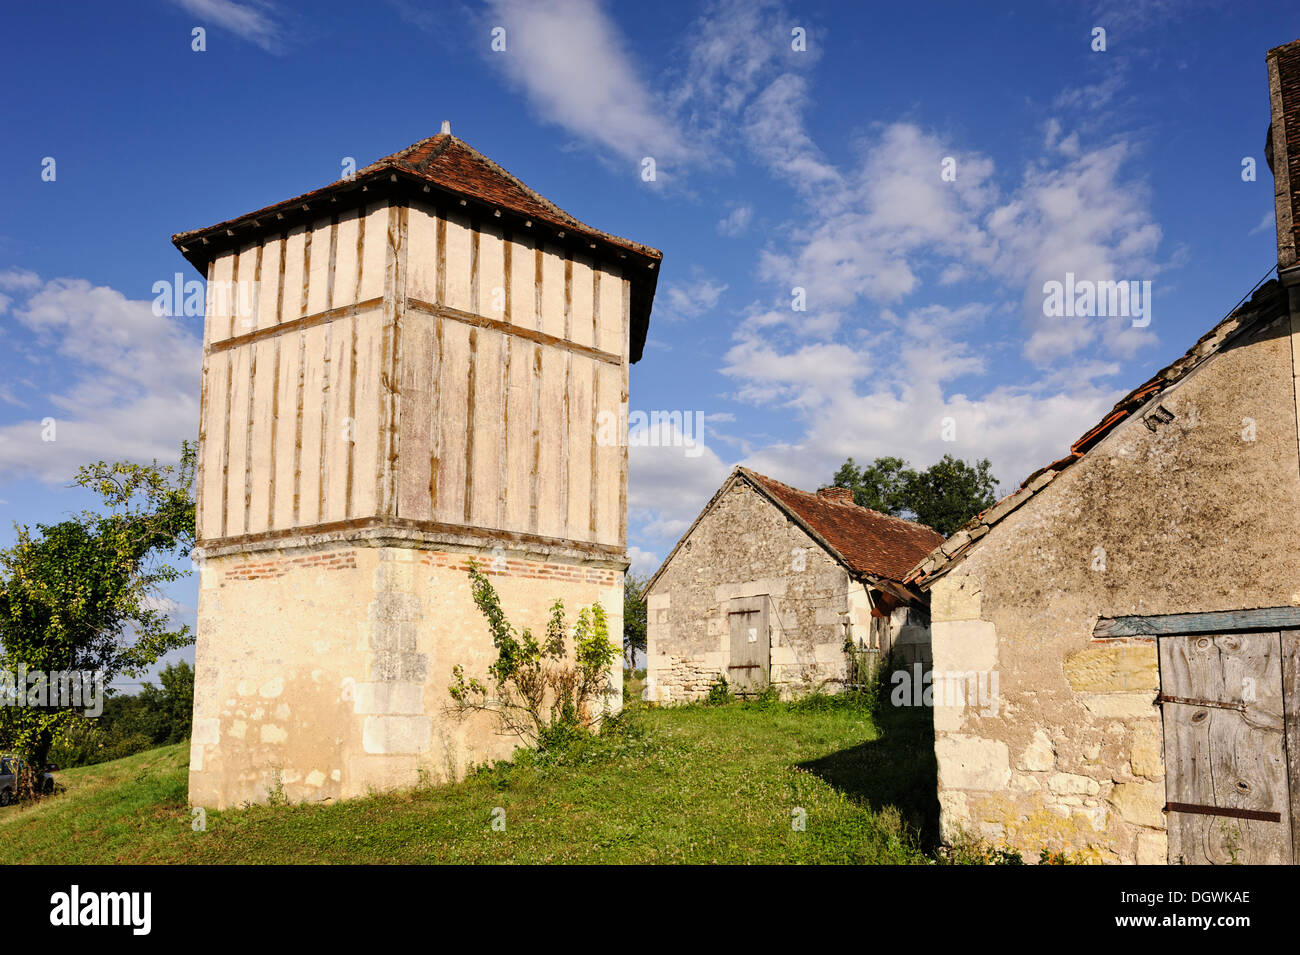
(898, 769)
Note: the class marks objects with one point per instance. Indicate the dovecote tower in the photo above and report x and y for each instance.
(406, 369)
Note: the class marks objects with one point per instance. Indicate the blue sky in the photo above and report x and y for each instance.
(777, 168)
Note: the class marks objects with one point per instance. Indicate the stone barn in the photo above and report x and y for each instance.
(402, 371)
(1139, 603)
(776, 586)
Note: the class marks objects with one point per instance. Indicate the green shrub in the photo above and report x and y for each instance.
(719, 693)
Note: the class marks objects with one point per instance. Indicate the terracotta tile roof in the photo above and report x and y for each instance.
(1267, 302)
(453, 167)
(869, 543)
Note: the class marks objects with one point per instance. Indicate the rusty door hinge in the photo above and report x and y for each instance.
(1188, 701)
(1260, 814)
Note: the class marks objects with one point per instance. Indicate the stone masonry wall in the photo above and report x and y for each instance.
(1196, 515)
(323, 674)
(746, 547)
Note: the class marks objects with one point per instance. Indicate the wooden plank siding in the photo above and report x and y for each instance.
(1228, 799)
(412, 362)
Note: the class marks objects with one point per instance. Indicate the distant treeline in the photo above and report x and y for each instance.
(155, 716)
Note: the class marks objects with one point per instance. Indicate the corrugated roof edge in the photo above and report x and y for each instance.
(1268, 302)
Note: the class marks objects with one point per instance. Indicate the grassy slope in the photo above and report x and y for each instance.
(693, 784)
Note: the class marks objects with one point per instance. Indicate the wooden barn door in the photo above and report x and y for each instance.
(751, 650)
(1226, 781)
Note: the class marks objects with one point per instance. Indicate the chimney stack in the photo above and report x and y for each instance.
(1284, 154)
(837, 495)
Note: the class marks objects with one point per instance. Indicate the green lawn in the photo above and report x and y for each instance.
(691, 784)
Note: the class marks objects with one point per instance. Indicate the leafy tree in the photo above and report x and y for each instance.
(943, 496)
(881, 485)
(131, 723)
(538, 691)
(634, 618)
(82, 595)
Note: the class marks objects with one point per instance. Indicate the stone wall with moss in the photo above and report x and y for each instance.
(1195, 515)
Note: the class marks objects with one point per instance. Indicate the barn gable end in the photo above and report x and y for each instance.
(1161, 737)
(763, 556)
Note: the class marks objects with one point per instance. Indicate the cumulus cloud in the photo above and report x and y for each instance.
(118, 381)
(573, 64)
(672, 475)
(690, 299)
(737, 220)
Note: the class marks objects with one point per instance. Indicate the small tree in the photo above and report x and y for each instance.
(943, 496)
(634, 618)
(82, 595)
(537, 690)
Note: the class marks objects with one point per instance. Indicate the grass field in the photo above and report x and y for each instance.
(684, 785)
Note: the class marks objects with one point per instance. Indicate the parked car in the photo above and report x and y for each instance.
(9, 765)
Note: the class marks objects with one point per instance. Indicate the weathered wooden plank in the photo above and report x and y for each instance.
(237, 442)
(286, 431)
(295, 252)
(245, 292)
(422, 265)
(491, 272)
(214, 441)
(1290, 648)
(608, 515)
(553, 265)
(487, 430)
(368, 413)
(519, 440)
(338, 431)
(220, 306)
(417, 381)
(1219, 757)
(550, 464)
(1268, 618)
(268, 282)
(311, 438)
(453, 400)
(346, 260)
(299, 324)
(459, 241)
(612, 334)
(374, 252)
(581, 305)
(261, 446)
(582, 489)
(509, 328)
(323, 239)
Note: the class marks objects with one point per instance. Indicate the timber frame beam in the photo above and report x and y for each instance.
(1219, 621)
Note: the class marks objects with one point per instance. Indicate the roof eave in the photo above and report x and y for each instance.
(200, 246)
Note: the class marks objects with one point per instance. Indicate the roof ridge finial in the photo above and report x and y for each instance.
(446, 127)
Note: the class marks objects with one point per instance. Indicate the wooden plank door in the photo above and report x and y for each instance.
(1226, 784)
(750, 662)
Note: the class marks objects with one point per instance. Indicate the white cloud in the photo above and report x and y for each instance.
(123, 382)
(737, 221)
(643, 562)
(252, 20)
(669, 483)
(572, 62)
(682, 300)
